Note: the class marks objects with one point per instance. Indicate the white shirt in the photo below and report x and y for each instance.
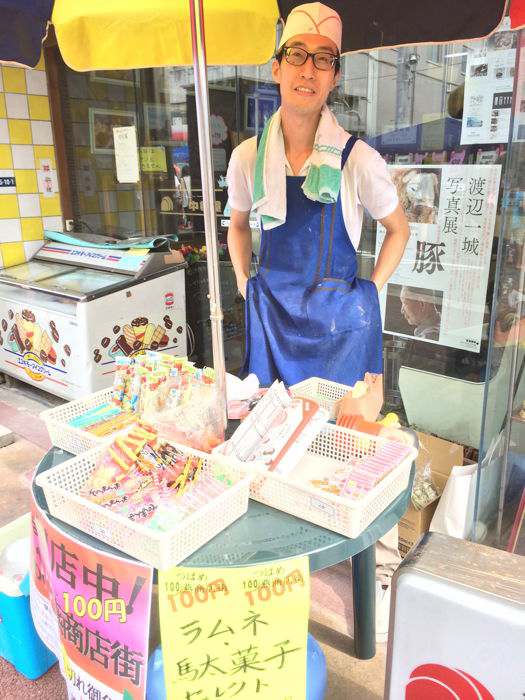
(365, 184)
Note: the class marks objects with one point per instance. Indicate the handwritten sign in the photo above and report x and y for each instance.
(235, 632)
(92, 610)
(153, 159)
(126, 154)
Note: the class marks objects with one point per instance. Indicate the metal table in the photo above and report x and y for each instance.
(264, 534)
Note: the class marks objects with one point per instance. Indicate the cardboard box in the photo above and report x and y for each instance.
(442, 456)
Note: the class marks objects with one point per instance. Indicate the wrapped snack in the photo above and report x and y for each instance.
(364, 399)
(120, 379)
(424, 491)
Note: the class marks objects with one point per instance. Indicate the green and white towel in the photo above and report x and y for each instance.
(323, 182)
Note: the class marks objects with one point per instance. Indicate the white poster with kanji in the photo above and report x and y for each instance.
(438, 292)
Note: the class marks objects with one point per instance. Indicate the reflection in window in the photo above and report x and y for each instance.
(434, 53)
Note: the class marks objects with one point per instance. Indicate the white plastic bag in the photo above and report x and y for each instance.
(455, 510)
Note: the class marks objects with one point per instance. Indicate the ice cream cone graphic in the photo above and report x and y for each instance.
(46, 343)
(129, 334)
(148, 335)
(37, 339)
(158, 334)
(140, 332)
(28, 328)
(20, 325)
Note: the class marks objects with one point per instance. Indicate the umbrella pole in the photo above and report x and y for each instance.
(208, 194)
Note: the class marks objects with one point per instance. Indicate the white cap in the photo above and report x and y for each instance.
(313, 18)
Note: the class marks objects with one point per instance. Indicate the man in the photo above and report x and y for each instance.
(418, 306)
(309, 182)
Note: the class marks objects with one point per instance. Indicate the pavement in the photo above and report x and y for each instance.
(331, 599)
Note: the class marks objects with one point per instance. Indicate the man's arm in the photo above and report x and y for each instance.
(240, 247)
(396, 239)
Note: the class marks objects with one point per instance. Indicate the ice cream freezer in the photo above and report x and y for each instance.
(67, 314)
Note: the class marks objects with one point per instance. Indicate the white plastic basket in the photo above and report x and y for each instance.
(326, 393)
(344, 515)
(63, 483)
(68, 437)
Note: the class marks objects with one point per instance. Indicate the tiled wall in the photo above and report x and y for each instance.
(26, 146)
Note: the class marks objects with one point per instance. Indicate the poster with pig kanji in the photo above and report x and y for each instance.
(93, 611)
(438, 292)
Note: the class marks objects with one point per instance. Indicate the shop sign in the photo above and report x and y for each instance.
(93, 611)
(437, 294)
(153, 159)
(235, 632)
(7, 181)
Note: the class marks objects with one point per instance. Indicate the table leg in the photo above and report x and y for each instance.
(364, 590)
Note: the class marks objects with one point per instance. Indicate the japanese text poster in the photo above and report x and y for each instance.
(235, 633)
(126, 153)
(438, 292)
(489, 83)
(92, 610)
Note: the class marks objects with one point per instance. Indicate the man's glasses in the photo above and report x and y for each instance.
(296, 56)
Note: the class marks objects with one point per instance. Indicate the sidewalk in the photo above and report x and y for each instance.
(331, 604)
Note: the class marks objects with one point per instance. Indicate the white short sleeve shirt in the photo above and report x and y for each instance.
(366, 184)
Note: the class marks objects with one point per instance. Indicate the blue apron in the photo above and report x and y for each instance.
(307, 314)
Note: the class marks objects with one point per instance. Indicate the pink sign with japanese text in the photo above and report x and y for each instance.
(93, 610)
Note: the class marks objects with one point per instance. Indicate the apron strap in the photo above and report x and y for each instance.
(348, 149)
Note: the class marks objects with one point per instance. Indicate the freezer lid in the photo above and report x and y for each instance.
(32, 272)
(36, 299)
(76, 283)
(85, 284)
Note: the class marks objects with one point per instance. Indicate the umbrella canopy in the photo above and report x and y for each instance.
(117, 34)
(111, 34)
(370, 24)
(23, 27)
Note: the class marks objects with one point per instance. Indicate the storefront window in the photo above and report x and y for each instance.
(442, 117)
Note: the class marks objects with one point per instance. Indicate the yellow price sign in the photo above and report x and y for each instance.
(235, 633)
(153, 159)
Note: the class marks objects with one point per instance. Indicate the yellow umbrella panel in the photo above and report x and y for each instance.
(119, 34)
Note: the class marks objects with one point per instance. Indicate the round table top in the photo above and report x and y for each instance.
(262, 534)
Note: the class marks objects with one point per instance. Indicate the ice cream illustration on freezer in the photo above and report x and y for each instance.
(26, 335)
(137, 335)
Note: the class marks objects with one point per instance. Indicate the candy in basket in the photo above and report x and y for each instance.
(150, 481)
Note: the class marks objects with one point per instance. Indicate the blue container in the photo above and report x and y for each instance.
(19, 642)
(315, 673)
